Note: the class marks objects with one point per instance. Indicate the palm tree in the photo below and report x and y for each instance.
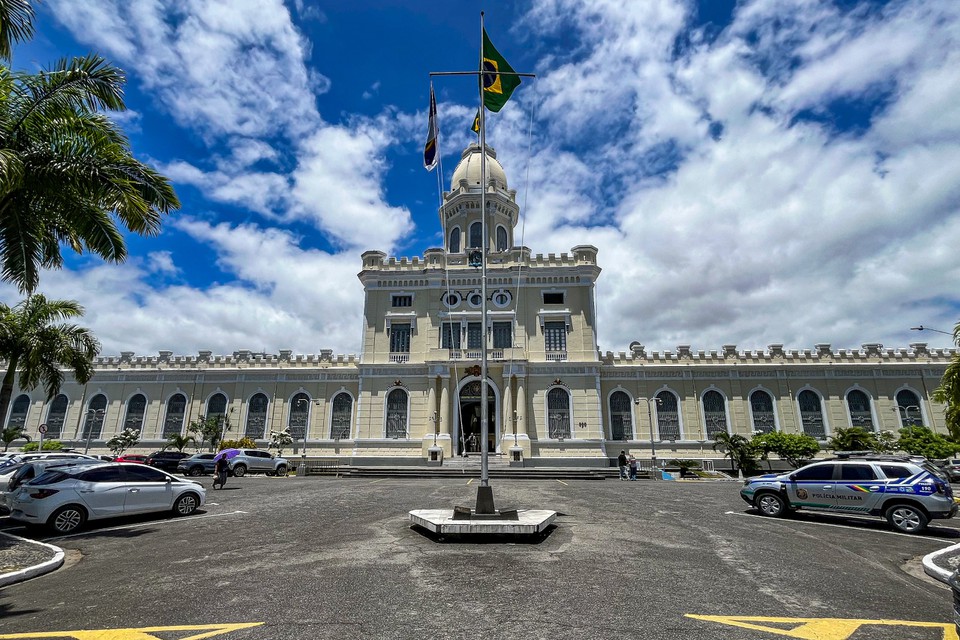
(735, 447)
(67, 174)
(852, 439)
(178, 441)
(16, 24)
(10, 434)
(34, 342)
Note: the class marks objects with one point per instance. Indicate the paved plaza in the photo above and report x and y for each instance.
(338, 558)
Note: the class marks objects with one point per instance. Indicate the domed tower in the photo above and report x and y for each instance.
(460, 212)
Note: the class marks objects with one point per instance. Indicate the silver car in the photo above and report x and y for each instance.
(256, 461)
(907, 492)
(27, 471)
(64, 499)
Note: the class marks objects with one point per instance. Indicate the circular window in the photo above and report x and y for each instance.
(502, 298)
(475, 299)
(451, 299)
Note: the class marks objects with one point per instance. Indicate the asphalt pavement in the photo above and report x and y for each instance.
(327, 557)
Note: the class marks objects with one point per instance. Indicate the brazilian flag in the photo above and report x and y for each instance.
(497, 87)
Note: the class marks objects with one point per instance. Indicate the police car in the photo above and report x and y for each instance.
(908, 492)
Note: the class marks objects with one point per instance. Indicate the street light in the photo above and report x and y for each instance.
(923, 328)
(904, 413)
(92, 414)
(653, 443)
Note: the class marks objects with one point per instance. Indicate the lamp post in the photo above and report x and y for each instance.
(653, 441)
(303, 450)
(92, 415)
(435, 419)
(904, 413)
(923, 328)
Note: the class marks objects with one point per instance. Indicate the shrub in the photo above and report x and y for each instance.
(48, 445)
(242, 443)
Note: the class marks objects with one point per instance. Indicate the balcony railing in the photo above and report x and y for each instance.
(556, 356)
(399, 357)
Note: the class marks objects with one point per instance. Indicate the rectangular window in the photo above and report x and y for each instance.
(450, 335)
(474, 335)
(400, 338)
(502, 335)
(402, 301)
(555, 336)
(553, 297)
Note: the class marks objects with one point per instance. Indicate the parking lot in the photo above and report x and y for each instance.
(329, 557)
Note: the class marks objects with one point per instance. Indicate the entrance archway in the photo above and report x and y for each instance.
(468, 418)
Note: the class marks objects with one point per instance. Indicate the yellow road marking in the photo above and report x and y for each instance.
(563, 483)
(820, 628)
(142, 633)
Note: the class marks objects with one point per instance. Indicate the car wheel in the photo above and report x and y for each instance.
(67, 519)
(770, 504)
(240, 470)
(186, 504)
(282, 470)
(907, 518)
(196, 470)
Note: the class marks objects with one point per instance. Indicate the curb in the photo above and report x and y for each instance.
(37, 570)
(931, 568)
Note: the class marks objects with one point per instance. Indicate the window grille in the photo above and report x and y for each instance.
(58, 413)
(256, 426)
(621, 417)
(668, 417)
(860, 414)
(450, 335)
(402, 301)
(555, 336)
(396, 426)
(93, 420)
(176, 412)
(811, 414)
(342, 412)
(714, 411)
(136, 410)
(455, 240)
(18, 411)
(474, 335)
(558, 413)
(761, 405)
(502, 335)
(909, 408)
(501, 239)
(400, 338)
(299, 415)
(476, 235)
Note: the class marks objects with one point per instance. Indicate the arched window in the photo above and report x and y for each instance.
(621, 417)
(668, 417)
(476, 235)
(860, 414)
(93, 421)
(396, 426)
(558, 413)
(342, 412)
(18, 411)
(136, 410)
(56, 416)
(257, 417)
(715, 413)
(176, 413)
(216, 405)
(299, 415)
(811, 414)
(908, 406)
(454, 240)
(501, 238)
(761, 405)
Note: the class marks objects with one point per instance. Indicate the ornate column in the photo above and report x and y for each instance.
(446, 424)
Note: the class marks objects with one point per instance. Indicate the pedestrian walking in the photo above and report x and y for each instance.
(633, 467)
(622, 463)
(220, 468)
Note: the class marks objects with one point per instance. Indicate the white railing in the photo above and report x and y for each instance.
(556, 356)
(496, 354)
(474, 354)
(399, 357)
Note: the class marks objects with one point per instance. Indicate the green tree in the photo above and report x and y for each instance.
(949, 390)
(123, 441)
(738, 449)
(852, 439)
(178, 442)
(886, 442)
(48, 445)
(922, 441)
(209, 429)
(794, 448)
(16, 24)
(34, 342)
(16, 432)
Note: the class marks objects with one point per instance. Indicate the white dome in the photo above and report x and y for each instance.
(469, 168)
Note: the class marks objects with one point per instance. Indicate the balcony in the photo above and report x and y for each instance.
(399, 358)
(556, 356)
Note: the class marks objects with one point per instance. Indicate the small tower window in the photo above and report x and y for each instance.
(501, 239)
(455, 240)
(402, 301)
(553, 297)
(476, 235)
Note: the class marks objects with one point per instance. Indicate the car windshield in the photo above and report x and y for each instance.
(50, 477)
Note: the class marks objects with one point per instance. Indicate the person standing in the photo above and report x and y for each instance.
(633, 467)
(220, 468)
(622, 463)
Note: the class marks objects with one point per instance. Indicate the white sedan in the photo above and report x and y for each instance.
(64, 499)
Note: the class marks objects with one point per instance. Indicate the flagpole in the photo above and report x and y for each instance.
(487, 507)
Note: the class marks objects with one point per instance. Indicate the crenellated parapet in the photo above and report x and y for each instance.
(433, 260)
(241, 359)
(776, 354)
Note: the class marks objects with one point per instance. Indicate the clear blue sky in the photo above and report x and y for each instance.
(768, 171)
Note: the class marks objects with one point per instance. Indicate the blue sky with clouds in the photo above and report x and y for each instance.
(753, 172)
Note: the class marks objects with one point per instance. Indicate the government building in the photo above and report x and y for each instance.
(414, 392)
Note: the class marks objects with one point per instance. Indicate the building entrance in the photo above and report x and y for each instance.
(470, 431)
